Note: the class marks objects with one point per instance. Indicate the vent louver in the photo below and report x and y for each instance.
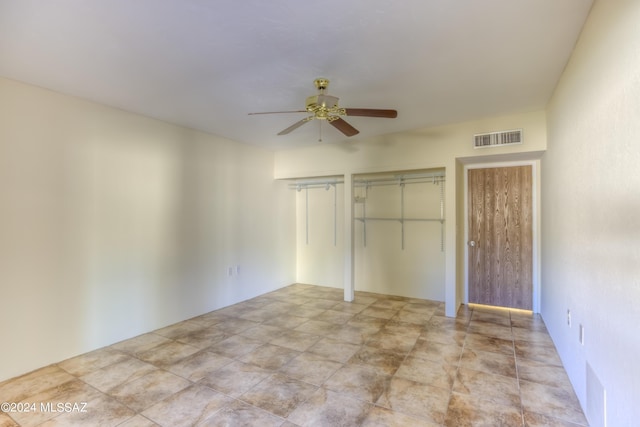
(496, 139)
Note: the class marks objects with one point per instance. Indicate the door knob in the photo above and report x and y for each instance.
(472, 243)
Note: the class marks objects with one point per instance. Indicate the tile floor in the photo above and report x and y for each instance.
(301, 356)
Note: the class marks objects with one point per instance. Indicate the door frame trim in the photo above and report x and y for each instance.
(535, 223)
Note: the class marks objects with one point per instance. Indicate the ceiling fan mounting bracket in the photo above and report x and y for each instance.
(321, 84)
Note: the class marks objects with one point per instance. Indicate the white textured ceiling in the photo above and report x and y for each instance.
(205, 64)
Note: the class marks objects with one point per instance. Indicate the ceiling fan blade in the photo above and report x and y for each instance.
(293, 127)
(369, 112)
(344, 127)
(279, 112)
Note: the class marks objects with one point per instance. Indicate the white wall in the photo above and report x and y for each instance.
(434, 148)
(591, 210)
(113, 224)
(383, 265)
(417, 270)
(320, 235)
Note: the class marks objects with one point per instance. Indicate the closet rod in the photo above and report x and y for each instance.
(369, 218)
(397, 182)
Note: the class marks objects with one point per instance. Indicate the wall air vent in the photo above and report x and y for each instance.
(497, 139)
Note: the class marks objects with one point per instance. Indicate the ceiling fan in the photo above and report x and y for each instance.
(325, 107)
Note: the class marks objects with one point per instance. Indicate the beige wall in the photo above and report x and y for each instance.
(113, 224)
(446, 147)
(591, 213)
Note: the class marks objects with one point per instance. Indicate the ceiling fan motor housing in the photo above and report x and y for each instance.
(322, 105)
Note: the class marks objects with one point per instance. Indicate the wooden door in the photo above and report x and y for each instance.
(500, 237)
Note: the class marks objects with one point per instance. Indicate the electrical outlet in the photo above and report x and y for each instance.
(581, 334)
(569, 318)
(230, 271)
(237, 270)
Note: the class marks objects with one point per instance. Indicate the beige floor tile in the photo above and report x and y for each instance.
(532, 322)
(140, 343)
(415, 399)
(385, 360)
(490, 329)
(406, 329)
(540, 337)
(296, 340)
(537, 420)
(542, 373)
(390, 304)
(427, 308)
(491, 344)
(103, 411)
(322, 303)
(437, 352)
(349, 307)
(466, 410)
(392, 341)
(212, 318)
(149, 389)
(235, 378)
(316, 327)
(89, 362)
(203, 338)
(7, 421)
(303, 352)
(286, 321)
(20, 388)
(554, 402)
(437, 374)
(443, 335)
(364, 299)
(180, 329)
(369, 323)
(75, 391)
(138, 421)
(412, 317)
(495, 388)
(378, 312)
(310, 368)
(264, 333)
(235, 346)
(540, 352)
(111, 376)
(327, 408)
(334, 317)
(451, 323)
(495, 363)
(383, 417)
(198, 365)
(334, 349)
(498, 316)
(258, 314)
(242, 414)
(359, 381)
(187, 407)
(167, 353)
(305, 311)
(279, 394)
(234, 325)
(354, 334)
(269, 356)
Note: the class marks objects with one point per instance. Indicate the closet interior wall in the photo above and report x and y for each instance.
(398, 228)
